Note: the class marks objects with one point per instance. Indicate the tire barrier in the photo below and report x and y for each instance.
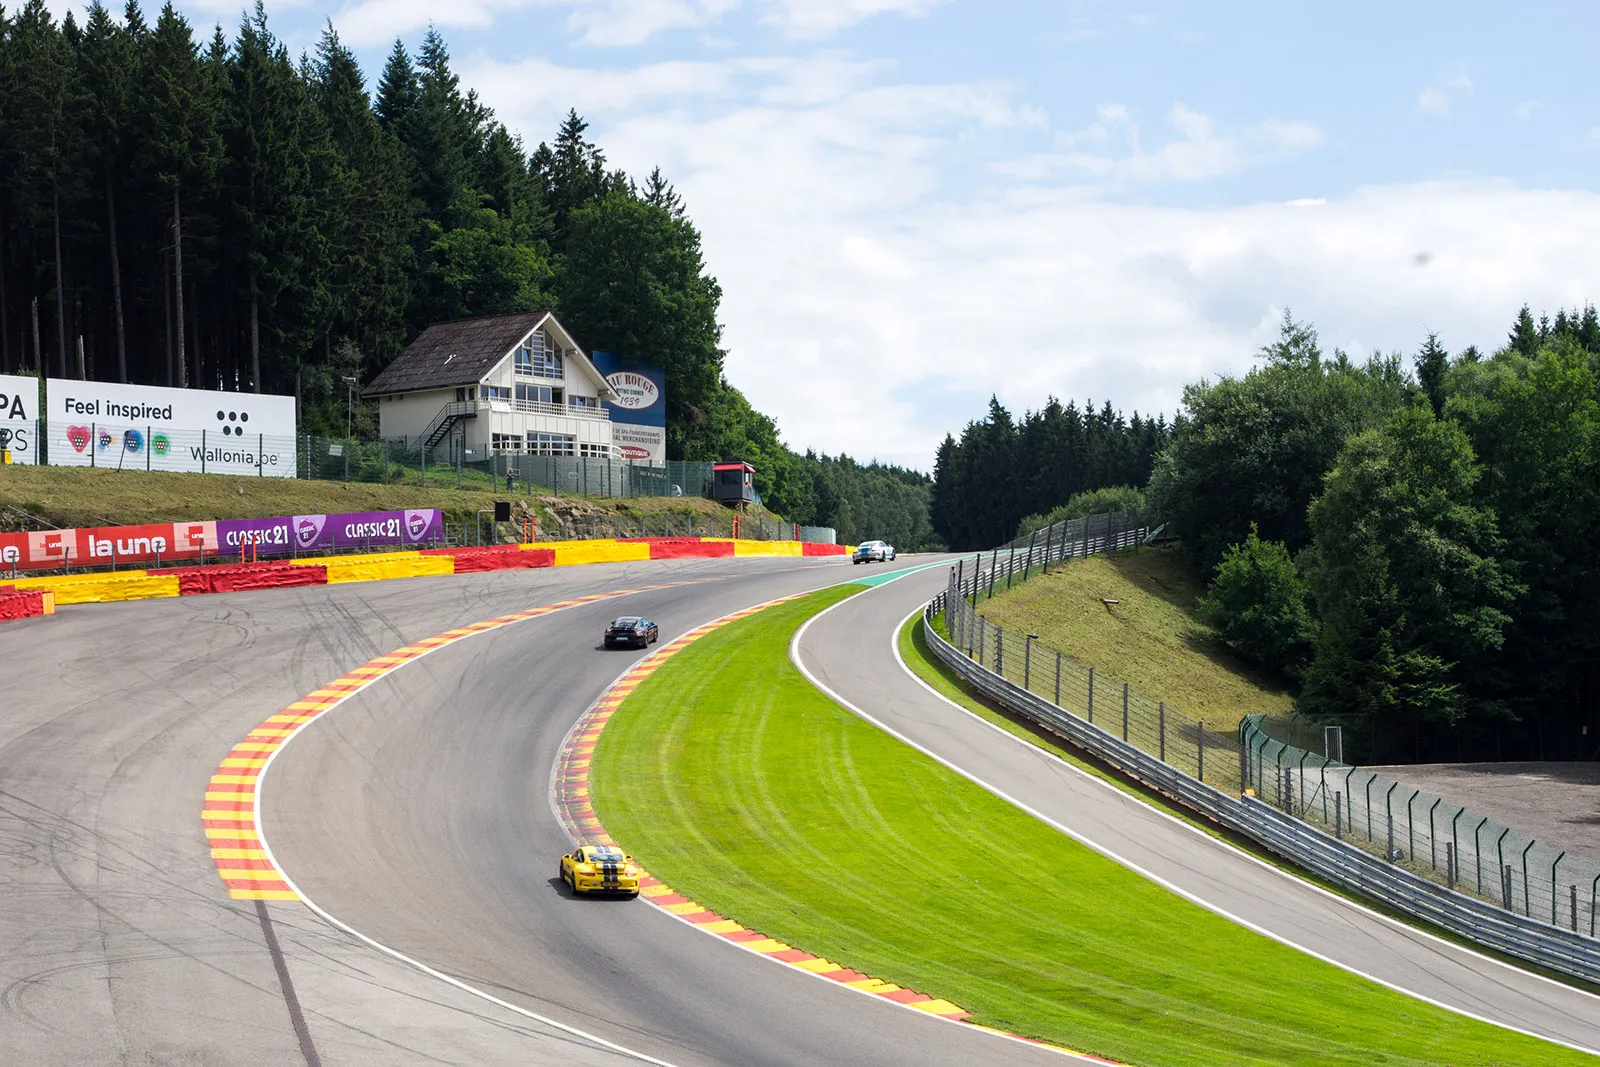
(372, 567)
(25, 603)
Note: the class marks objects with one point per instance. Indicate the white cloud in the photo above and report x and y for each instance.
(1111, 149)
(870, 311)
(819, 18)
(1437, 99)
(1526, 109)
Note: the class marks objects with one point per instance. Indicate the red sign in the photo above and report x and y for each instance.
(106, 545)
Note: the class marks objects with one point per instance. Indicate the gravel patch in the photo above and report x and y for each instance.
(1558, 803)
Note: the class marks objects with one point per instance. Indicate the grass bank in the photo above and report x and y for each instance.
(1149, 638)
(85, 496)
(737, 782)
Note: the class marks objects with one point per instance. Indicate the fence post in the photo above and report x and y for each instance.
(1244, 769)
(1091, 686)
(1450, 864)
(1027, 662)
(1288, 791)
(1505, 884)
(1200, 752)
(1574, 909)
(1161, 713)
(1411, 826)
(1433, 863)
(994, 566)
(1000, 651)
(983, 625)
(1527, 904)
(1553, 867)
(1388, 807)
(1049, 534)
(1124, 711)
(1338, 815)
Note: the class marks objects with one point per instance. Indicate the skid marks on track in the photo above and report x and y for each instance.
(230, 815)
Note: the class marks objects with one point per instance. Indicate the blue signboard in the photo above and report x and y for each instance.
(639, 414)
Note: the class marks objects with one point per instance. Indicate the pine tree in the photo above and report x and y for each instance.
(1432, 362)
(397, 90)
(179, 142)
(570, 174)
(107, 64)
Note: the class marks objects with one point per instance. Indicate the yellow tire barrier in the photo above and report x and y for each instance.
(767, 548)
(97, 588)
(570, 554)
(380, 566)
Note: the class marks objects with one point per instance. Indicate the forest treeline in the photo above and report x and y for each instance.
(1003, 471)
(213, 212)
(1421, 549)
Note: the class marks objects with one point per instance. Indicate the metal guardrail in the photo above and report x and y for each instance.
(1565, 951)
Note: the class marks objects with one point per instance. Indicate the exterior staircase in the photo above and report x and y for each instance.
(443, 423)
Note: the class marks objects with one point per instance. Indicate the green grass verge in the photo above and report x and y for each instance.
(1150, 639)
(735, 781)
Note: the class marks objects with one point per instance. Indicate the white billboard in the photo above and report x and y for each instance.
(19, 417)
(133, 427)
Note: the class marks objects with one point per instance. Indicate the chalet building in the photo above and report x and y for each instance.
(506, 383)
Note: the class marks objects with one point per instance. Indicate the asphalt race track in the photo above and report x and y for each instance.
(850, 651)
(418, 814)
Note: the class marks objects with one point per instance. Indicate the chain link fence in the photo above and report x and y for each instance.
(1426, 834)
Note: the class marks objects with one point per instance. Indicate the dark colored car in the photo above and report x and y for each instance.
(632, 631)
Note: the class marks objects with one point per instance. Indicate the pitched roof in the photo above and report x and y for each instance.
(455, 353)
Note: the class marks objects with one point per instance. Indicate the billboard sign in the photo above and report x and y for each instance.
(197, 541)
(308, 533)
(149, 427)
(19, 417)
(639, 414)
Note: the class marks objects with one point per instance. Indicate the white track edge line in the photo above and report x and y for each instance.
(794, 657)
(395, 953)
(1399, 924)
(971, 1028)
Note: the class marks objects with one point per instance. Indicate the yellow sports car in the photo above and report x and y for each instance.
(600, 869)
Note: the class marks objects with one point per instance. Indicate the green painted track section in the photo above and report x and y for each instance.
(738, 783)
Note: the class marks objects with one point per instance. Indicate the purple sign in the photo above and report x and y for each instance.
(308, 533)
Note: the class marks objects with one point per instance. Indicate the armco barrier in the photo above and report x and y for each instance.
(1339, 862)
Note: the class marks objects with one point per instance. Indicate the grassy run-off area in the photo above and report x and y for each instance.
(85, 496)
(1149, 639)
(738, 783)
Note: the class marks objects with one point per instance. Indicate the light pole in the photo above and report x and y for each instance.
(349, 413)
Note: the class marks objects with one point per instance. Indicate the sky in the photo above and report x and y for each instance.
(912, 205)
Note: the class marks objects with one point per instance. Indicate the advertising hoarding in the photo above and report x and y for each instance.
(196, 541)
(150, 427)
(639, 414)
(19, 417)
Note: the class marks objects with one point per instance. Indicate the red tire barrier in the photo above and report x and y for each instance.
(506, 558)
(24, 605)
(238, 577)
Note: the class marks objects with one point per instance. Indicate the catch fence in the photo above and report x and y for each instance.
(1206, 752)
(1429, 835)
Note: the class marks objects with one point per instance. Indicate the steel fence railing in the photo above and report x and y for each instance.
(1434, 878)
(1429, 835)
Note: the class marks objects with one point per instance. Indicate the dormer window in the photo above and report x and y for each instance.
(538, 357)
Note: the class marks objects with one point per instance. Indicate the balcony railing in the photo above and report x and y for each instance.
(536, 407)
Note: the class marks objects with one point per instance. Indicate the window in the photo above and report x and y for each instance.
(596, 451)
(588, 403)
(536, 394)
(507, 442)
(551, 444)
(499, 392)
(537, 357)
